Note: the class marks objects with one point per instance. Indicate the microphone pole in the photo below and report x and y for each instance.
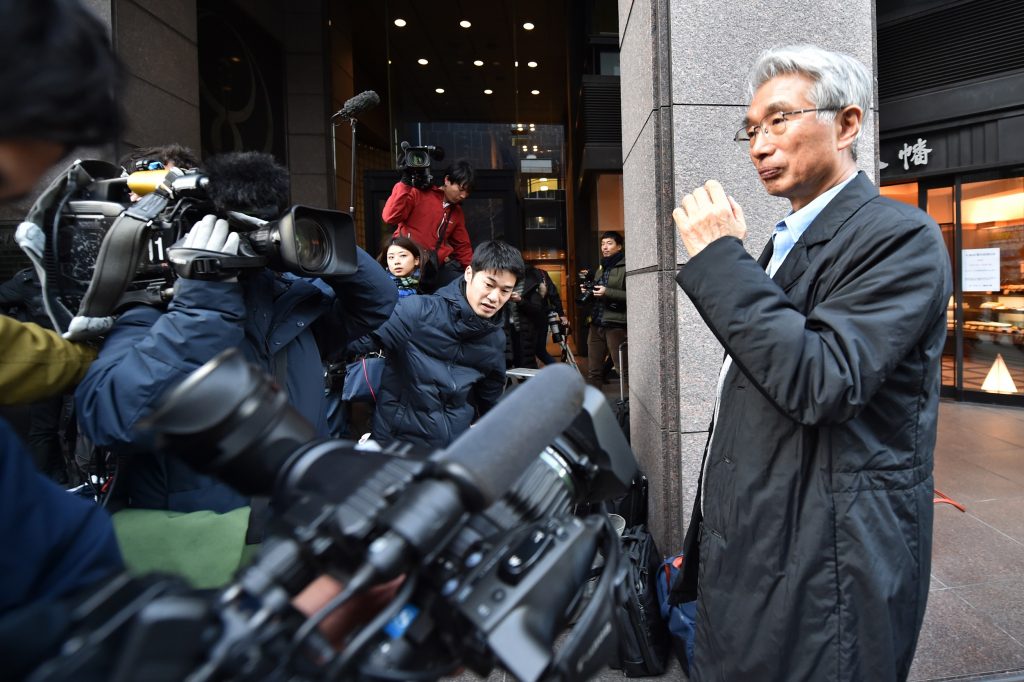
(352, 189)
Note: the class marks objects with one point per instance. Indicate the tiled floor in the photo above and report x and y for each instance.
(974, 626)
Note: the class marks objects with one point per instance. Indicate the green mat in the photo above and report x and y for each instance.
(203, 547)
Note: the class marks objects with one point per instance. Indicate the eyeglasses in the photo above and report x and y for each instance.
(773, 124)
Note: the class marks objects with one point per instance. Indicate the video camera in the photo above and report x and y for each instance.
(494, 561)
(102, 252)
(414, 162)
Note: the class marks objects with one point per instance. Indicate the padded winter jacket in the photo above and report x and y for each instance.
(274, 319)
(446, 365)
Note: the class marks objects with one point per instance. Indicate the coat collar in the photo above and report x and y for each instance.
(852, 197)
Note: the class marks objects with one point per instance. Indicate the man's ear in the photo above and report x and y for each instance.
(848, 125)
(469, 274)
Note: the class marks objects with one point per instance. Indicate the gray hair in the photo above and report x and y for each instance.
(839, 80)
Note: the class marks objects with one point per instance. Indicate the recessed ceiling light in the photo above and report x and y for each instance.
(543, 188)
(532, 65)
(465, 24)
(477, 62)
(517, 64)
(543, 179)
(422, 61)
(439, 91)
(534, 92)
(528, 26)
(399, 23)
(488, 92)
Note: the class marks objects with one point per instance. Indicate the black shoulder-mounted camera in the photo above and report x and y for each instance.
(414, 162)
(102, 252)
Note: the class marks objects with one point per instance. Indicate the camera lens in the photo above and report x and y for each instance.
(310, 244)
(417, 159)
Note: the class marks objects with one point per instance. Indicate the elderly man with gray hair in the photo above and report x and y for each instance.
(809, 546)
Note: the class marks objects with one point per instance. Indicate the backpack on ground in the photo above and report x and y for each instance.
(643, 635)
(680, 617)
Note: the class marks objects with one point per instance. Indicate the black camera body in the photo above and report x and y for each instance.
(587, 284)
(103, 252)
(415, 162)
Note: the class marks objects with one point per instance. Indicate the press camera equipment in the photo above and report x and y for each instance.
(559, 334)
(492, 557)
(587, 284)
(103, 252)
(414, 162)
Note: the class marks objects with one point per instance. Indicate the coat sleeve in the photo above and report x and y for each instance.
(824, 367)
(148, 352)
(489, 389)
(363, 302)
(458, 238)
(394, 335)
(616, 294)
(399, 205)
(36, 362)
(553, 296)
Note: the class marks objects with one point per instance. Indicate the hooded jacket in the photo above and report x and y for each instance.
(445, 366)
(815, 545)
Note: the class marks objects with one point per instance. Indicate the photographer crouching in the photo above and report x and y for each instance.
(282, 322)
(432, 216)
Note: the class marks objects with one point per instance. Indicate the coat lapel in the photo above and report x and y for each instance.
(859, 192)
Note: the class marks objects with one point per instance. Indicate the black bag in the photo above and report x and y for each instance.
(643, 635)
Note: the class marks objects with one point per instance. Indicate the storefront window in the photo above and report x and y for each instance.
(939, 204)
(992, 217)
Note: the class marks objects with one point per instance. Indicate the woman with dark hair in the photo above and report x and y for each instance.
(406, 262)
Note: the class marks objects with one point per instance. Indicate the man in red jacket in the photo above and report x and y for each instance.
(433, 218)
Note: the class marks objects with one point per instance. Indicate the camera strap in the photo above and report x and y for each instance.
(116, 262)
(442, 229)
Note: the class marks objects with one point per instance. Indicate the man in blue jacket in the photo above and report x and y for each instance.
(283, 323)
(446, 353)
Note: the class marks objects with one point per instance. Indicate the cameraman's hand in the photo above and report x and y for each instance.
(599, 290)
(212, 234)
(358, 612)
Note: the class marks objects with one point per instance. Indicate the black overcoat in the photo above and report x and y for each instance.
(814, 554)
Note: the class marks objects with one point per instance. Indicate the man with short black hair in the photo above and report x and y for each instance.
(433, 218)
(608, 316)
(445, 352)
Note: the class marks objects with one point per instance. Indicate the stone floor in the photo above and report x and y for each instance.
(974, 624)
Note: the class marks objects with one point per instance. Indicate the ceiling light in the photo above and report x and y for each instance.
(488, 92)
(524, 147)
(532, 65)
(422, 61)
(534, 147)
(399, 23)
(517, 64)
(528, 26)
(543, 188)
(534, 92)
(477, 62)
(439, 91)
(465, 24)
(543, 179)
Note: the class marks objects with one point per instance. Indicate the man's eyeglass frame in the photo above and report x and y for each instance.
(742, 135)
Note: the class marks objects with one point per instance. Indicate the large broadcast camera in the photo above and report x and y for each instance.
(493, 559)
(414, 162)
(102, 252)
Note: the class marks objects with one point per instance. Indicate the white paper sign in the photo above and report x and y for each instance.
(981, 269)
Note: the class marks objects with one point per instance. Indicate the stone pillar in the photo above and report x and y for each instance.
(157, 41)
(684, 65)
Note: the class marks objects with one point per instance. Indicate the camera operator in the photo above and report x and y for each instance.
(282, 322)
(608, 317)
(433, 218)
(59, 80)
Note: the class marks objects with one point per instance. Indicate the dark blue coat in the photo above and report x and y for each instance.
(446, 365)
(266, 315)
(54, 543)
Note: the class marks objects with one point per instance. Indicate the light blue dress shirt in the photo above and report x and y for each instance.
(790, 229)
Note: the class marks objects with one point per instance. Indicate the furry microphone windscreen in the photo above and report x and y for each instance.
(253, 183)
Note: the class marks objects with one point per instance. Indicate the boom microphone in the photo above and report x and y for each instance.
(485, 461)
(362, 102)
